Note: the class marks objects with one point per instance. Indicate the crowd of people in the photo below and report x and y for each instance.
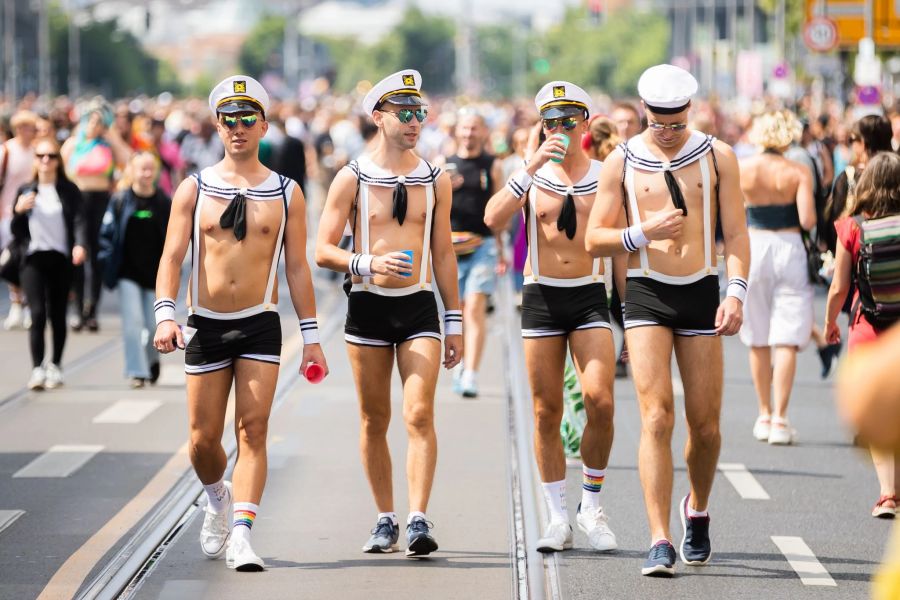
(627, 214)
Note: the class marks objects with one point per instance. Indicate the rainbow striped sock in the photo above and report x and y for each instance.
(591, 483)
(244, 515)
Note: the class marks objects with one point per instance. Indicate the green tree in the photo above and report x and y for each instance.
(794, 13)
(262, 50)
(496, 47)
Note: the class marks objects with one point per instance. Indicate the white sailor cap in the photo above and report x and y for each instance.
(666, 89)
(563, 99)
(239, 93)
(401, 87)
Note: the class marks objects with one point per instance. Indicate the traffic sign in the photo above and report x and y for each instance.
(849, 16)
(820, 34)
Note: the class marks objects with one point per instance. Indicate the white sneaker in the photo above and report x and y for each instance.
(15, 318)
(593, 522)
(761, 428)
(26, 318)
(241, 557)
(54, 377)
(217, 528)
(557, 537)
(781, 433)
(37, 380)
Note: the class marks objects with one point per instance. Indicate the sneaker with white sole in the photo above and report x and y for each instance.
(594, 524)
(217, 527)
(16, 317)
(241, 557)
(38, 379)
(660, 561)
(781, 433)
(54, 376)
(557, 537)
(761, 428)
(696, 549)
(384, 537)
(419, 541)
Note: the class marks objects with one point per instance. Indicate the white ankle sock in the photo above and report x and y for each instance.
(244, 516)
(555, 496)
(218, 496)
(468, 376)
(592, 481)
(696, 513)
(413, 514)
(390, 515)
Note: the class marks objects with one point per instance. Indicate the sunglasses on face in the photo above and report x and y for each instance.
(568, 123)
(231, 121)
(51, 156)
(662, 127)
(405, 115)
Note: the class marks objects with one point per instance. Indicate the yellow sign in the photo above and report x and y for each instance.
(850, 18)
(559, 91)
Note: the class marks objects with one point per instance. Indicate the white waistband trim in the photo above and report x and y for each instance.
(394, 292)
(243, 313)
(567, 283)
(673, 279)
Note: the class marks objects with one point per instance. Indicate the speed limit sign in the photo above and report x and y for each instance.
(820, 34)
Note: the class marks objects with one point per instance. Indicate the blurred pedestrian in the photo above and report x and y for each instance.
(131, 244)
(49, 224)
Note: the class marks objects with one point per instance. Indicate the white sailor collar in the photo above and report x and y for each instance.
(273, 188)
(640, 157)
(369, 173)
(547, 179)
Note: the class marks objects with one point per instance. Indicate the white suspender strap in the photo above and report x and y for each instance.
(426, 239)
(532, 233)
(635, 213)
(364, 223)
(707, 226)
(195, 250)
(596, 271)
(269, 298)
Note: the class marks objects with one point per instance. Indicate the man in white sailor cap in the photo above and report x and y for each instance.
(674, 183)
(233, 331)
(399, 208)
(564, 308)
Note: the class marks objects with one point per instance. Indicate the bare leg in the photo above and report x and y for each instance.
(650, 352)
(783, 377)
(761, 370)
(207, 400)
(418, 361)
(885, 469)
(475, 315)
(594, 355)
(254, 387)
(371, 372)
(545, 361)
(700, 364)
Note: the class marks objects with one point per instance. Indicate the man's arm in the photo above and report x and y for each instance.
(178, 236)
(737, 241)
(299, 280)
(496, 186)
(443, 260)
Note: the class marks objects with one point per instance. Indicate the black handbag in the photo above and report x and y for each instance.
(11, 263)
(813, 259)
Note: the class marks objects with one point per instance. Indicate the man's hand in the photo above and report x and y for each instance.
(168, 337)
(666, 225)
(551, 148)
(832, 332)
(393, 264)
(313, 353)
(453, 345)
(730, 316)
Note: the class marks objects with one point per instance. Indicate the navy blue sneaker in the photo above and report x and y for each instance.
(418, 538)
(384, 537)
(661, 560)
(695, 547)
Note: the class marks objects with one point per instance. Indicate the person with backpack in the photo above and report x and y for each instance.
(867, 254)
(132, 235)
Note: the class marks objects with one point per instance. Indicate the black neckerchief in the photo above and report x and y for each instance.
(235, 215)
(400, 200)
(567, 217)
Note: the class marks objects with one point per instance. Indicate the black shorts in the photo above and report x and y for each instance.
(552, 311)
(376, 320)
(214, 344)
(688, 309)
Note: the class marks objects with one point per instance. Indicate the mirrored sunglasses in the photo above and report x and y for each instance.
(405, 115)
(568, 123)
(231, 121)
(662, 127)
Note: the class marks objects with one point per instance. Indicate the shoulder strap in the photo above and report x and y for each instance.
(624, 191)
(712, 150)
(4, 165)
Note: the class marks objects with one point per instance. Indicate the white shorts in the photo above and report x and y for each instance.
(778, 310)
(5, 233)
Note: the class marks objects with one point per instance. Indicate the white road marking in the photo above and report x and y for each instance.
(8, 517)
(743, 481)
(803, 561)
(59, 461)
(128, 411)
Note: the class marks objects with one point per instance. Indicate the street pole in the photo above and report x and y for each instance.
(74, 54)
(44, 90)
(779, 29)
(10, 66)
(290, 50)
(868, 19)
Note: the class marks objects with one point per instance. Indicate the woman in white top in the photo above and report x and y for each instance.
(49, 225)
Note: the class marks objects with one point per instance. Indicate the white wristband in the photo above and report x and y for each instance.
(737, 288)
(309, 329)
(633, 238)
(453, 322)
(361, 264)
(518, 183)
(164, 309)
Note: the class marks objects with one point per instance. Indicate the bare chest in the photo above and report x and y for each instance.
(379, 207)
(653, 195)
(549, 204)
(263, 217)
